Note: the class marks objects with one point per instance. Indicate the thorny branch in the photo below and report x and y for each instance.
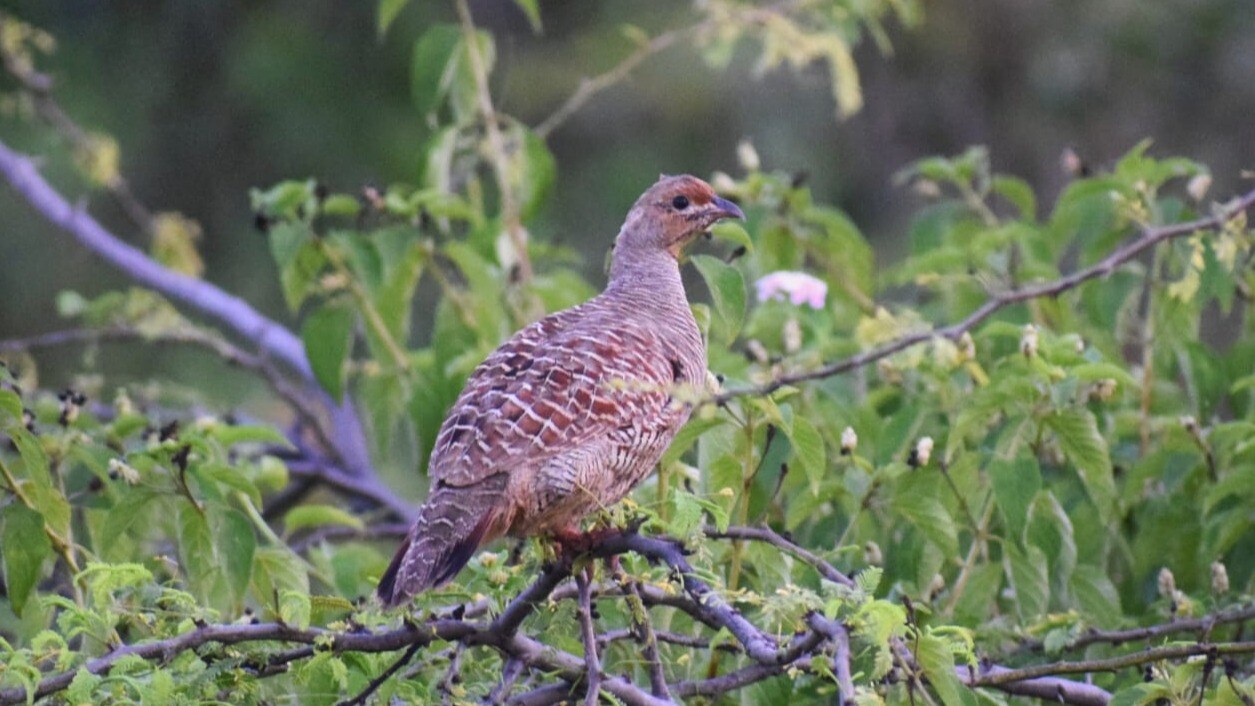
(1149, 237)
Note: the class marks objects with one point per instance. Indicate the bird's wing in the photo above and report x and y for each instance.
(566, 380)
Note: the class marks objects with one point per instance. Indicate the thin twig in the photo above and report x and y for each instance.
(1202, 626)
(384, 676)
(770, 536)
(998, 301)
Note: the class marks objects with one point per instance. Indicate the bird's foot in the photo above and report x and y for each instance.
(572, 542)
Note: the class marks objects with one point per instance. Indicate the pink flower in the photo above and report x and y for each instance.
(799, 287)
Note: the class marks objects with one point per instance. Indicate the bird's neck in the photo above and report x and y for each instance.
(651, 277)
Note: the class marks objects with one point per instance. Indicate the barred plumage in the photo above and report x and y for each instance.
(573, 411)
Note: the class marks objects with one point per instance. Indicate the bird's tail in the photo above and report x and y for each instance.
(451, 525)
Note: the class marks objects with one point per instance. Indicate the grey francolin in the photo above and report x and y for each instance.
(573, 411)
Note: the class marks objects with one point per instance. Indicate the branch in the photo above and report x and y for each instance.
(1202, 626)
(1044, 688)
(770, 536)
(229, 312)
(1149, 237)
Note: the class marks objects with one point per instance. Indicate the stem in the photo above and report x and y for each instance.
(497, 153)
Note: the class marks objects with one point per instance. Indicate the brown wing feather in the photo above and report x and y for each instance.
(565, 380)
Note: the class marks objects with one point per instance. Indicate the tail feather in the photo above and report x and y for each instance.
(452, 524)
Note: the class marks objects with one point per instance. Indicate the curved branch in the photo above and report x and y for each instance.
(229, 312)
(1148, 238)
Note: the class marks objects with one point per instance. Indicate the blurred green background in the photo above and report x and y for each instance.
(209, 99)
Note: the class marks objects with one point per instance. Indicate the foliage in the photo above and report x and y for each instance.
(1073, 465)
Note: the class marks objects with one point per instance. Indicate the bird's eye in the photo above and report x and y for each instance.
(680, 202)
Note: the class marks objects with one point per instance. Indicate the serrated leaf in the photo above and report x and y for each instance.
(1077, 432)
(808, 448)
(196, 549)
(1029, 577)
(25, 546)
(328, 336)
(1015, 484)
(1050, 529)
(1096, 596)
(236, 545)
(937, 661)
(306, 516)
(433, 66)
(294, 608)
(929, 515)
(727, 292)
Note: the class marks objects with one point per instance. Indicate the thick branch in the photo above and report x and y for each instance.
(229, 312)
(1148, 238)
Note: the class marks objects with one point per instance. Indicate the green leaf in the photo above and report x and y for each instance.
(727, 292)
(1050, 529)
(730, 230)
(328, 335)
(25, 546)
(923, 508)
(294, 608)
(1015, 484)
(808, 448)
(236, 545)
(306, 516)
(388, 11)
(531, 8)
(1096, 596)
(231, 434)
(1140, 694)
(196, 550)
(11, 404)
(1029, 577)
(687, 436)
(937, 660)
(1077, 431)
(532, 170)
(1019, 193)
(433, 66)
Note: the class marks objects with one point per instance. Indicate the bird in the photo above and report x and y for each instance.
(573, 411)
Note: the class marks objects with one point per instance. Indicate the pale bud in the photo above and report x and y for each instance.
(1103, 390)
(927, 188)
(1190, 424)
(1198, 186)
(1167, 583)
(747, 156)
(1219, 578)
(849, 441)
(758, 352)
(967, 346)
(872, 554)
(936, 586)
(1071, 164)
(792, 335)
(1028, 341)
(124, 471)
(722, 183)
(122, 403)
(922, 452)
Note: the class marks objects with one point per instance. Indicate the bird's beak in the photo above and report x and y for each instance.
(724, 208)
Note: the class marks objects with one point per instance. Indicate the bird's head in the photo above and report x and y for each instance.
(671, 214)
